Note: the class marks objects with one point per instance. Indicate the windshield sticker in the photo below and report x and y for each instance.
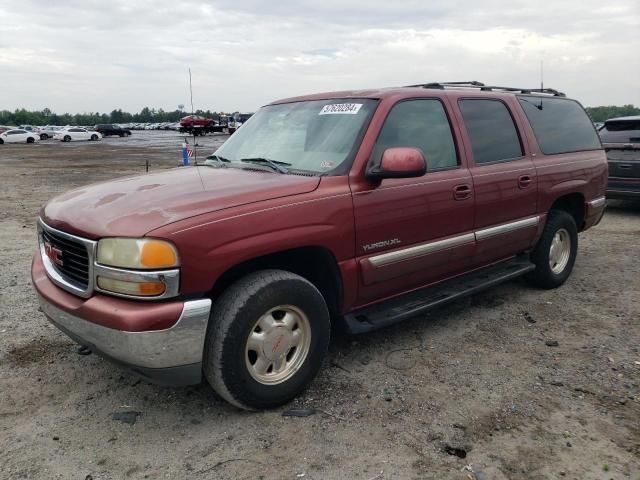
(325, 164)
(340, 109)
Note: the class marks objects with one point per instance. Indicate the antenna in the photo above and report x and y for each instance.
(195, 150)
(541, 81)
(191, 90)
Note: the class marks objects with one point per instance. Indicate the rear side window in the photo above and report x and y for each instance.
(622, 125)
(560, 125)
(493, 134)
(621, 131)
(419, 124)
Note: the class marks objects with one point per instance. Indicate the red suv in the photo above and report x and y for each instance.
(359, 208)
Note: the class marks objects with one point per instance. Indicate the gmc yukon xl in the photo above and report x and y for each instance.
(356, 208)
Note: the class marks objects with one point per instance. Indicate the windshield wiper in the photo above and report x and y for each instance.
(274, 164)
(221, 160)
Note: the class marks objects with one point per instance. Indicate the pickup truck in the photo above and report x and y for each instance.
(344, 212)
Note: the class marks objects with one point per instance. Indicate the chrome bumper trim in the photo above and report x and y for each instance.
(598, 202)
(182, 344)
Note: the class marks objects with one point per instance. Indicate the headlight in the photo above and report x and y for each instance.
(143, 253)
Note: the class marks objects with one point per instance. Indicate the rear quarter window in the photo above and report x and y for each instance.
(621, 131)
(559, 124)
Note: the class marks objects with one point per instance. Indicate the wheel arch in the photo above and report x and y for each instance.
(574, 204)
(314, 263)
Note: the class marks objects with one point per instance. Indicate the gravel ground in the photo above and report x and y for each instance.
(515, 383)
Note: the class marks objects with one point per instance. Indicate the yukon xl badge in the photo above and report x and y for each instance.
(383, 243)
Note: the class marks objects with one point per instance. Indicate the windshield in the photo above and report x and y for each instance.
(314, 136)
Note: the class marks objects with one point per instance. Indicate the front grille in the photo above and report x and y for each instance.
(74, 258)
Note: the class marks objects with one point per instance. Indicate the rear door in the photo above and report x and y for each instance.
(414, 231)
(504, 179)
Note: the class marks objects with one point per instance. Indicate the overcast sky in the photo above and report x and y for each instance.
(87, 56)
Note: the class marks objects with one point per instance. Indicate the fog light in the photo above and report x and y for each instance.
(141, 289)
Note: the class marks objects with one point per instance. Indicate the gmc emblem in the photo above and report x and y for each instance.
(54, 254)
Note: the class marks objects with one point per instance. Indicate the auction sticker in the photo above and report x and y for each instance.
(340, 109)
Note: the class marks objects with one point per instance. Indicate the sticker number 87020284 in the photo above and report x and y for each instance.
(340, 108)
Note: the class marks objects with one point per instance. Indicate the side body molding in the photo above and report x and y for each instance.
(414, 251)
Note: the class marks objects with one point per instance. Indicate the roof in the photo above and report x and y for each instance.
(623, 119)
(380, 93)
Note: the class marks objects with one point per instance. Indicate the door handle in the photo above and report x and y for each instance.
(624, 166)
(461, 192)
(524, 181)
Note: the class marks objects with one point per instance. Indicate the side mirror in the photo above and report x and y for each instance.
(399, 162)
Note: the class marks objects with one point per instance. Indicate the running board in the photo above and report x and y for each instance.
(411, 304)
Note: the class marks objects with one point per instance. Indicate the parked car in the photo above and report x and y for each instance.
(109, 129)
(359, 208)
(18, 135)
(4, 129)
(621, 140)
(47, 132)
(69, 134)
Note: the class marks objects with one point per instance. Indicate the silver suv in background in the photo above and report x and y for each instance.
(621, 141)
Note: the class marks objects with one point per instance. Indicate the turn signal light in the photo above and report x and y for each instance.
(143, 289)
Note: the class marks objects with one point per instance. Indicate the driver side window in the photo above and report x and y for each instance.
(419, 124)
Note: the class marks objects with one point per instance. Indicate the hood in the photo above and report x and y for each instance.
(133, 206)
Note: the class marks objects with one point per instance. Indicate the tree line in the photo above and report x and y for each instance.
(47, 117)
(147, 115)
(600, 114)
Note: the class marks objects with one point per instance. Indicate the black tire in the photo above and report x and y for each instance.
(66, 138)
(544, 275)
(94, 137)
(1, 141)
(121, 135)
(43, 136)
(30, 139)
(233, 319)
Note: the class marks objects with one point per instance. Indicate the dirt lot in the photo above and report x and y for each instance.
(481, 384)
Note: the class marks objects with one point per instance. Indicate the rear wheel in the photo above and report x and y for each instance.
(555, 253)
(30, 139)
(268, 334)
(43, 136)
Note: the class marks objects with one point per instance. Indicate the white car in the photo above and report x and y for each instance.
(68, 134)
(47, 131)
(18, 135)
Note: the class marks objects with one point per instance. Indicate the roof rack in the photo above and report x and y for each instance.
(487, 88)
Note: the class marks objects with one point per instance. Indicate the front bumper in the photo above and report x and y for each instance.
(171, 356)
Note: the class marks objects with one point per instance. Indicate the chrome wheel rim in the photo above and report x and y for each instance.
(278, 344)
(560, 251)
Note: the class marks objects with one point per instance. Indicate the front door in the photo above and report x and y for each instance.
(410, 232)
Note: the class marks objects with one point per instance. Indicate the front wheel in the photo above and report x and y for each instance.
(30, 139)
(555, 253)
(43, 136)
(66, 138)
(94, 137)
(268, 334)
